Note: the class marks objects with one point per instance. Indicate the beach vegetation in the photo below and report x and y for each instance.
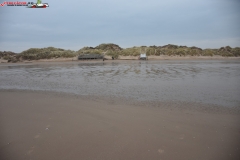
(46, 53)
(115, 51)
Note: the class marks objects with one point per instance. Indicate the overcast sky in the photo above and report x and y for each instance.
(73, 24)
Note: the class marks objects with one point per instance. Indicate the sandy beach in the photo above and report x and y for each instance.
(129, 110)
(39, 125)
(121, 58)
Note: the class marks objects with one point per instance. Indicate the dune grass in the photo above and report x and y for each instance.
(115, 51)
(46, 53)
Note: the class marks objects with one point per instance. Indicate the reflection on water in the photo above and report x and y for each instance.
(215, 82)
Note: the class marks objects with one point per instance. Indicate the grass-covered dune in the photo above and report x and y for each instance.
(115, 51)
(9, 56)
(45, 53)
(37, 53)
(169, 50)
(109, 49)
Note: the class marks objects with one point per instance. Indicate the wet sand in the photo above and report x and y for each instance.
(48, 125)
(202, 81)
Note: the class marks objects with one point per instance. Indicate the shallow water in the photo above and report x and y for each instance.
(204, 81)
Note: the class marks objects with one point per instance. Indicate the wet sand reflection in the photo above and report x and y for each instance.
(209, 81)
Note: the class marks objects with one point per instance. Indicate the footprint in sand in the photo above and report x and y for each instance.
(31, 150)
(161, 151)
(37, 136)
(181, 137)
(47, 127)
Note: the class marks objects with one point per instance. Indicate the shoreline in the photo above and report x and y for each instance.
(48, 125)
(176, 105)
(126, 58)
